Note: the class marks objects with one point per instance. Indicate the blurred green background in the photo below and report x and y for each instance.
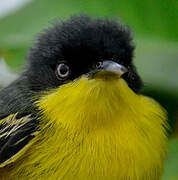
(155, 24)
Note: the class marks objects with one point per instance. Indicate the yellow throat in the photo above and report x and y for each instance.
(101, 129)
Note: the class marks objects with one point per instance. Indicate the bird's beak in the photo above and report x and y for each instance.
(109, 69)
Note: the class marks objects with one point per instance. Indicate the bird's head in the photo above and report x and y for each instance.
(84, 64)
(80, 46)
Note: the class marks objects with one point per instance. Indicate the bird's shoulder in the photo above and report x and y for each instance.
(18, 123)
(16, 135)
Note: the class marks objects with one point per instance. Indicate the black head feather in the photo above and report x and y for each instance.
(81, 42)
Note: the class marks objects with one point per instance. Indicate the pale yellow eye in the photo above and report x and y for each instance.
(99, 64)
(62, 71)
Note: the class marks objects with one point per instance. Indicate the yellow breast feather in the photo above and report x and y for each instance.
(95, 129)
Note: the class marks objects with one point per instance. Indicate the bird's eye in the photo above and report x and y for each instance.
(62, 71)
(99, 64)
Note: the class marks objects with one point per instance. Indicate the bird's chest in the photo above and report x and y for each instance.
(119, 152)
(101, 131)
(103, 154)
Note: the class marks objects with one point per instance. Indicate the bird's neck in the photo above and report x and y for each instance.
(90, 104)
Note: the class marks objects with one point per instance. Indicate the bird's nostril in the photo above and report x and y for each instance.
(123, 69)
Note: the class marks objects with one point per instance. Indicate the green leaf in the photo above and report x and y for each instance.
(157, 63)
(156, 18)
(171, 165)
(15, 57)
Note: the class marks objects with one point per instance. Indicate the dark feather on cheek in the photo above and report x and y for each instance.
(133, 79)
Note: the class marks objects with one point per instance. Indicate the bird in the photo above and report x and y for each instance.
(76, 112)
